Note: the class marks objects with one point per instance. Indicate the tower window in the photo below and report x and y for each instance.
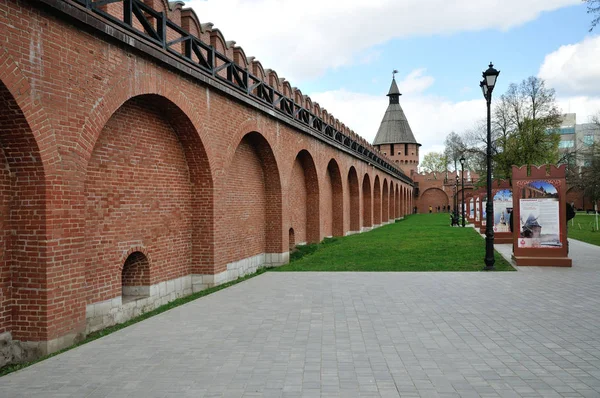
(392, 149)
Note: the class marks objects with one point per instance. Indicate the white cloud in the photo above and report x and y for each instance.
(585, 107)
(574, 69)
(301, 40)
(415, 82)
(431, 118)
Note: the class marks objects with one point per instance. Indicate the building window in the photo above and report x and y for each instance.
(566, 144)
(392, 149)
(399, 152)
(567, 130)
(385, 154)
(588, 140)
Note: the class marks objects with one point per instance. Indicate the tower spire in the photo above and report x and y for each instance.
(394, 93)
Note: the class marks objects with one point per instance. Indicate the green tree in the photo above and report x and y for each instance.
(593, 7)
(587, 178)
(455, 148)
(526, 121)
(435, 163)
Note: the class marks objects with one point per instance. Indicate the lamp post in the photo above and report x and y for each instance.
(487, 86)
(462, 177)
(456, 201)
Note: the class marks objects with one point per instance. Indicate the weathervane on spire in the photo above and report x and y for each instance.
(394, 73)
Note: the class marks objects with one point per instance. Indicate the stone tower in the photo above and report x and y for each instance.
(395, 138)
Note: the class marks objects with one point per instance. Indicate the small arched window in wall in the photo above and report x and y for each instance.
(135, 277)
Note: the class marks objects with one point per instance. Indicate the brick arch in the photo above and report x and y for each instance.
(303, 199)
(135, 276)
(115, 96)
(405, 200)
(367, 202)
(397, 202)
(147, 184)
(392, 205)
(376, 201)
(23, 275)
(354, 199)
(432, 197)
(251, 125)
(32, 112)
(337, 198)
(385, 202)
(132, 249)
(252, 200)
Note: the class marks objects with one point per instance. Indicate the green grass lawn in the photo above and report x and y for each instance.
(583, 226)
(422, 242)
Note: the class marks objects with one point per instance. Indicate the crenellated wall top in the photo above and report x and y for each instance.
(179, 31)
(544, 171)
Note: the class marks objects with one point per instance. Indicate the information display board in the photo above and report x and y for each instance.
(539, 219)
(471, 208)
(539, 216)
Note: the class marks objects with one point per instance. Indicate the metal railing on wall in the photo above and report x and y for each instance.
(156, 25)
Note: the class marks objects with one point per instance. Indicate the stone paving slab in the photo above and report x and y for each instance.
(509, 334)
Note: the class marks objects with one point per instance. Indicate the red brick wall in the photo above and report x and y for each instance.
(303, 199)
(385, 206)
(22, 224)
(138, 193)
(6, 191)
(392, 201)
(353, 200)
(337, 199)
(367, 202)
(245, 204)
(118, 153)
(327, 205)
(433, 197)
(297, 200)
(377, 202)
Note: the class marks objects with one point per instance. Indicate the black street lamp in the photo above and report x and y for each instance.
(462, 176)
(487, 86)
(456, 200)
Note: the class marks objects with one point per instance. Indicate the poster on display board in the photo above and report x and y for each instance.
(483, 213)
(502, 209)
(540, 216)
(477, 212)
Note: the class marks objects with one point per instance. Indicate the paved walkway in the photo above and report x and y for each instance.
(534, 333)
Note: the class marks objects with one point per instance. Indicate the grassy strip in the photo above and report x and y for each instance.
(101, 333)
(583, 228)
(422, 242)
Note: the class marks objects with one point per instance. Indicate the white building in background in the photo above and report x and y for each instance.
(576, 138)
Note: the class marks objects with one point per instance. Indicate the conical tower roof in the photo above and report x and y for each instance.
(394, 128)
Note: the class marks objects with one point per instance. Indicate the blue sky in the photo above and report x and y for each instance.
(342, 54)
(457, 60)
